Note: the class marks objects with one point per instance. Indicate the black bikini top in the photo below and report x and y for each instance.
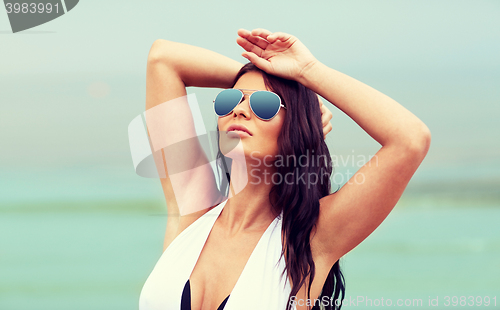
(186, 298)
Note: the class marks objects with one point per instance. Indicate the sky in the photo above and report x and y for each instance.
(70, 87)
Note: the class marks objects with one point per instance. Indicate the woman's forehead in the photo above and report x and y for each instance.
(252, 81)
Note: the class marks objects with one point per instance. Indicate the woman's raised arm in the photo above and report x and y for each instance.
(171, 67)
(357, 209)
(361, 205)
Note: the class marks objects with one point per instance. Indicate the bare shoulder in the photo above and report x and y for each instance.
(186, 220)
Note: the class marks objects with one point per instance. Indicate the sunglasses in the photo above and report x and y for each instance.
(264, 104)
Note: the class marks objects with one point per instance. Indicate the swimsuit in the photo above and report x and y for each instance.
(186, 298)
(260, 285)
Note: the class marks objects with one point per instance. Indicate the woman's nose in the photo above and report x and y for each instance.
(243, 108)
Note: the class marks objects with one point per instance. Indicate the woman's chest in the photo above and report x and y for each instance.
(219, 266)
(249, 269)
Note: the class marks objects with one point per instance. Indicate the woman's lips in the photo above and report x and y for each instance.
(239, 133)
(238, 128)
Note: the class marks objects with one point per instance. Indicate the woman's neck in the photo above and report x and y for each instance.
(248, 207)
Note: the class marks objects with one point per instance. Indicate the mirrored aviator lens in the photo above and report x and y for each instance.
(265, 104)
(226, 100)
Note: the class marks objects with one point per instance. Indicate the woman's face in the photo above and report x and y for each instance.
(262, 143)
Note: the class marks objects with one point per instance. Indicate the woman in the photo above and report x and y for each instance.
(218, 256)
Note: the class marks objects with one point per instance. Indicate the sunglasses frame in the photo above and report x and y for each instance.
(250, 101)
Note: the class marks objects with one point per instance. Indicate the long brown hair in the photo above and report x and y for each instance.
(301, 135)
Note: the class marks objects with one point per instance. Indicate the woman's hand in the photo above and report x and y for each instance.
(276, 53)
(326, 116)
(282, 55)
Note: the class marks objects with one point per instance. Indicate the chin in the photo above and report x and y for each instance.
(231, 147)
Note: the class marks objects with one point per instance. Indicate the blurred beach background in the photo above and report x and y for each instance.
(80, 230)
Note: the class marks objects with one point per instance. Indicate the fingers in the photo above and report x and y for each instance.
(326, 116)
(261, 63)
(279, 36)
(249, 46)
(326, 130)
(263, 33)
(260, 42)
(243, 33)
(269, 36)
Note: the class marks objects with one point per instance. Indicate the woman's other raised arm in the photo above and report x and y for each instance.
(171, 67)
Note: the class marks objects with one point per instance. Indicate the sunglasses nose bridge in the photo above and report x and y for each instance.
(243, 106)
